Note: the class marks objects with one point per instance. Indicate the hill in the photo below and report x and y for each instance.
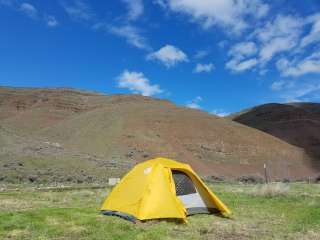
(69, 135)
(295, 123)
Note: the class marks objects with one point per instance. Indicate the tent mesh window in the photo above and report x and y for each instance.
(184, 184)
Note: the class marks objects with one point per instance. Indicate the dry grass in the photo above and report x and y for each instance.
(271, 190)
(309, 235)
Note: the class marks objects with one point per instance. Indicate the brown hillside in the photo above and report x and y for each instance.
(295, 123)
(68, 135)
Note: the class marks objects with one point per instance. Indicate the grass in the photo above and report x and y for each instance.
(73, 214)
(272, 189)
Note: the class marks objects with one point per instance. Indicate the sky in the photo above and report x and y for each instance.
(220, 56)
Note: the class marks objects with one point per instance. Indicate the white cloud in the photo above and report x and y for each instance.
(296, 90)
(279, 35)
(51, 21)
(282, 85)
(275, 46)
(137, 83)
(195, 103)
(220, 113)
(314, 35)
(310, 64)
(304, 92)
(124, 28)
(243, 49)
(131, 34)
(78, 11)
(278, 85)
(161, 3)
(239, 52)
(281, 26)
(238, 66)
(201, 54)
(135, 8)
(200, 68)
(169, 55)
(229, 14)
(127, 30)
(29, 10)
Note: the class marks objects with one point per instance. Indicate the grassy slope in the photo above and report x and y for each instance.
(74, 215)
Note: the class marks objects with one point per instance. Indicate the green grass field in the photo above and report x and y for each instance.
(259, 212)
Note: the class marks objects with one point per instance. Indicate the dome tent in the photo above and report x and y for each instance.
(161, 188)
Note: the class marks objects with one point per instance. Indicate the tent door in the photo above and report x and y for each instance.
(187, 192)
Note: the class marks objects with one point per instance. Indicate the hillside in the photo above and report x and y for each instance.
(69, 135)
(295, 123)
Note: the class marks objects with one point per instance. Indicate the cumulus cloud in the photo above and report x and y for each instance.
(200, 68)
(195, 103)
(137, 83)
(131, 34)
(296, 68)
(228, 14)
(29, 10)
(135, 8)
(168, 55)
(78, 10)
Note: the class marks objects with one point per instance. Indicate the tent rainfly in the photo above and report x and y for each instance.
(161, 188)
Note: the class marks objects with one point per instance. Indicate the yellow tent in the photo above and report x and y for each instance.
(161, 188)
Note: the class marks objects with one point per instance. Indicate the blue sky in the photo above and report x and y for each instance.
(220, 56)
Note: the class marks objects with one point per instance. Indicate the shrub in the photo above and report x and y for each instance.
(250, 179)
(80, 180)
(33, 178)
(286, 180)
(69, 179)
(214, 178)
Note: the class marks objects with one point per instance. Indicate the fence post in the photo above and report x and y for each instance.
(265, 173)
